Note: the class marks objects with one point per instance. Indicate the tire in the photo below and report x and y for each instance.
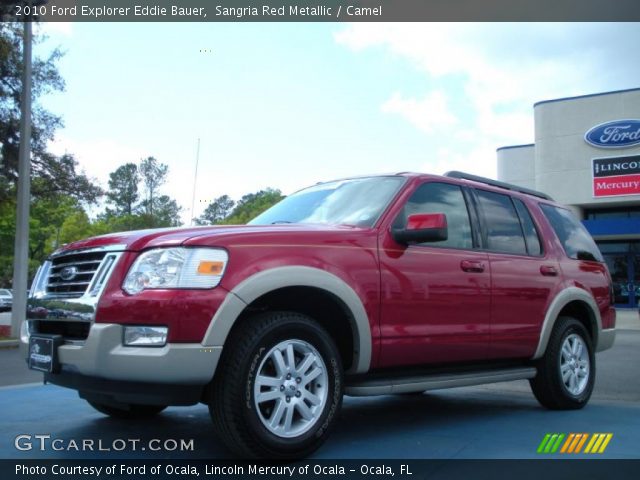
(267, 419)
(130, 413)
(570, 351)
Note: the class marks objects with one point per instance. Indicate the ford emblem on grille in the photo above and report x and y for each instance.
(68, 273)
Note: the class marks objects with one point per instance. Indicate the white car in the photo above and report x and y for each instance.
(6, 299)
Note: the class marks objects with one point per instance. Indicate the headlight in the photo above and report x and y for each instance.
(145, 336)
(176, 268)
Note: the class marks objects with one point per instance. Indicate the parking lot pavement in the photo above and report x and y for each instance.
(492, 421)
(467, 423)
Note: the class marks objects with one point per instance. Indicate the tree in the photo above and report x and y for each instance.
(154, 175)
(51, 175)
(167, 212)
(58, 188)
(216, 211)
(46, 224)
(252, 205)
(123, 188)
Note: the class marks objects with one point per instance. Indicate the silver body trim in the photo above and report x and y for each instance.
(563, 298)
(370, 387)
(44, 306)
(295, 276)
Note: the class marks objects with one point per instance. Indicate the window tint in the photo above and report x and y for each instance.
(441, 198)
(530, 233)
(504, 233)
(575, 239)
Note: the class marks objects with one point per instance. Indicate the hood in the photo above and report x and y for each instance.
(222, 234)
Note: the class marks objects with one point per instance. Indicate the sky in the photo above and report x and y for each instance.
(286, 105)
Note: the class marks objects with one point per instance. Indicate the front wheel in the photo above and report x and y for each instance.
(567, 371)
(279, 387)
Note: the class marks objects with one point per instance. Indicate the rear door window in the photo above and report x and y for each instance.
(504, 232)
(532, 239)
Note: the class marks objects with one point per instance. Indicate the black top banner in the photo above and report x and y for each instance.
(615, 166)
(321, 469)
(321, 11)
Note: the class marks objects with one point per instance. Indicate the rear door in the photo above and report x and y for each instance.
(523, 275)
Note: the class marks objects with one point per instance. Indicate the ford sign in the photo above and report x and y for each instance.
(616, 134)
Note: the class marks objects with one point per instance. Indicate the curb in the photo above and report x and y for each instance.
(9, 343)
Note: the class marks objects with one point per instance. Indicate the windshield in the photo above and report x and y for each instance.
(358, 201)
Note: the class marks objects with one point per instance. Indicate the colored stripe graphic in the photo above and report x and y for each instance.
(552, 442)
(543, 443)
(598, 442)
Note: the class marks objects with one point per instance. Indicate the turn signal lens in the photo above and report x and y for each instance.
(210, 268)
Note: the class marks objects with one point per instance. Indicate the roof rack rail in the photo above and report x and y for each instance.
(496, 183)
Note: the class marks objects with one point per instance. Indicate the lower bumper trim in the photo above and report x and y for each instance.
(123, 392)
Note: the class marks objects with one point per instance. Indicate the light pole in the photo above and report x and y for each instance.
(21, 250)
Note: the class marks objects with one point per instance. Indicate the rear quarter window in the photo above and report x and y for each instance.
(575, 239)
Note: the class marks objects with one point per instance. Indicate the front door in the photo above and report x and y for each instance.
(436, 302)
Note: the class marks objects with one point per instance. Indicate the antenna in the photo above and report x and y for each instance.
(195, 178)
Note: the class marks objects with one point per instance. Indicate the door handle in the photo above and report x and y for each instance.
(548, 270)
(472, 266)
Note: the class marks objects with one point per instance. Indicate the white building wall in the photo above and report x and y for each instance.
(517, 165)
(563, 158)
(559, 163)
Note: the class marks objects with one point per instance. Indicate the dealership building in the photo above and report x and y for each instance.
(587, 155)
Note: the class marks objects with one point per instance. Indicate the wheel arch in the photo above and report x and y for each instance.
(573, 302)
(307, 290)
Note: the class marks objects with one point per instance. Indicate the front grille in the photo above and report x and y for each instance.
(69, 330)
(72, 273)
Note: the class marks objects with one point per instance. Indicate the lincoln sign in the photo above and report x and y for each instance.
(616, 176)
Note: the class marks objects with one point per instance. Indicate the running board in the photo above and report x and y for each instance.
(386, 386)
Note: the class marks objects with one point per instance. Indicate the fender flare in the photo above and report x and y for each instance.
(561, 300)
(267, 281)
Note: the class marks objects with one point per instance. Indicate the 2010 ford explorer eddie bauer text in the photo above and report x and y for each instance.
(364, 286)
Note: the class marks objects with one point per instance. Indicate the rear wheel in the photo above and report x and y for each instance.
(128, 411)
(278, 388)
(566, 372)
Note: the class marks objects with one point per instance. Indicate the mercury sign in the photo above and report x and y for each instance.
(616, 176)
(615, 134)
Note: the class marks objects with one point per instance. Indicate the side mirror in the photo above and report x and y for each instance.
(422, 227)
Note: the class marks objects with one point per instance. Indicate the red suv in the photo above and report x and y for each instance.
(363, 286)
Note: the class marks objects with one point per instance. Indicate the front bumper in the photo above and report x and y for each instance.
(103, 356)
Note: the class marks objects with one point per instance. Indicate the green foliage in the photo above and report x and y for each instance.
(152, 212)
(123, 188)
(49, 224)
(216, 211)
(252, 205)
(154, 175)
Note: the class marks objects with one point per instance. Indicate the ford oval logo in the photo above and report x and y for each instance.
(68, 273)
(615, 134)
